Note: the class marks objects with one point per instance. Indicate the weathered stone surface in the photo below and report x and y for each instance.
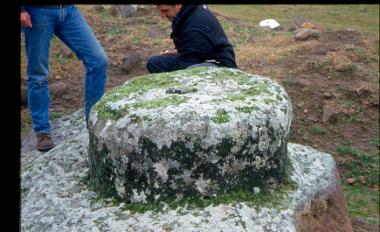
(65, 51)
(123, 11)
(131, 61)
(310, 25)
(341, 63)
(98, 8)
(326, 211)
(302, 34)
(54, 198)
(201, 131)
(58, 88)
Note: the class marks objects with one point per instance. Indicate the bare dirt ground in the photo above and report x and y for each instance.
(335, 99)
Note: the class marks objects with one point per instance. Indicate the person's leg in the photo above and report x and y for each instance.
(77, 35)
(158, 64)
(37, 43)
(205, 64)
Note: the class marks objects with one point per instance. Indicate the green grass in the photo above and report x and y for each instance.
(374, 142)
(319, 130)
(358, 163)
(55, 115)
(345, 103)
(331, 17)
(362, 202)
(105, 14)
(220, 117)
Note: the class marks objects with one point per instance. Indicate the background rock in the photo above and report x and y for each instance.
(58, 88)
(123, 11)
(326, 212)
(131, 61)
(341, 63)
(98, 8)
(305, 34)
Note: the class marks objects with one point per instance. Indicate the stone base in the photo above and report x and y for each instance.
(55, 198)
(326, 212)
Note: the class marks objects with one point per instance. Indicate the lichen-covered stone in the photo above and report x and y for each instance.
(55, 198)
(200, 131)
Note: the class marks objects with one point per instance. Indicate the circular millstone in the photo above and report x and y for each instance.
(201, 131)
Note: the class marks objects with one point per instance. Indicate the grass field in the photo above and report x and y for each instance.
(360, 17)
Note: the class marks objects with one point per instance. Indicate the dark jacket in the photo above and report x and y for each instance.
(198, 36)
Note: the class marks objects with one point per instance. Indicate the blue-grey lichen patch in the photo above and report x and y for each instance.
(201, 131)
(56, 199)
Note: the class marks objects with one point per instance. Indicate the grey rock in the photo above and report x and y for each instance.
(234, 123)
(303, 34)
(66, 52)
(123, 11)
(299, 20)
(58, 88)
(330, 114)
(131, 61)
(312, 171)
(98, 8)
(341, 63)
(301, 82)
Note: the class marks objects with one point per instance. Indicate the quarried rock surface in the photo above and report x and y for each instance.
(326, 211)
(198, 132)
(56, 198)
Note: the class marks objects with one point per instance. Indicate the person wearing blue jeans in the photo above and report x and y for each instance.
(39, 24)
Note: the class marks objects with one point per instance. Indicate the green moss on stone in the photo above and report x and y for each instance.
(135, 118)
(141, 85)
(148, 82)
(269, 101)
(146, 118)
(246, 109)
(226, 74)
(101, 174)
(138, 175)
(261, 88)
(161, 102)
(278, 198)
(114, 114)
(221, 117)
(236, 97)
(181, 90)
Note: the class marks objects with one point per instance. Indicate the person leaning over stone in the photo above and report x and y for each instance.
(39, 24)
(198, 37)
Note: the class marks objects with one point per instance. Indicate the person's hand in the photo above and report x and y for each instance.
(25, 19)
(168, 53)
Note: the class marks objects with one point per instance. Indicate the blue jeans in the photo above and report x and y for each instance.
(165, 63)
(69, 26)
(168, 63)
